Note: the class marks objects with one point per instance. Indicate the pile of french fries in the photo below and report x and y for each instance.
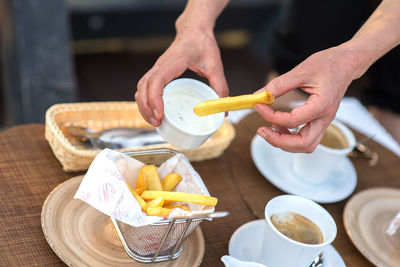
(155, 196)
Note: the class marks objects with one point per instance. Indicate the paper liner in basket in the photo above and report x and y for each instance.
(104, 186)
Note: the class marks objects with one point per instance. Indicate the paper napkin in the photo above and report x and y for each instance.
(104, 186)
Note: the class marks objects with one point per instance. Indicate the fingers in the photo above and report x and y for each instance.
(314, 108)
(284, 83)
(217, 80)
(204, 60)
(156, 83)
(304, 141)
(142, 101)
(322, 76)
(150, 89)
(280, 129)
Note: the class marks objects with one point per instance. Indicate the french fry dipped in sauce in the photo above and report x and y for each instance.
(233, 103)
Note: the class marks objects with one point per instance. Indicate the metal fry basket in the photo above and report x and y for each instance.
(161, 240)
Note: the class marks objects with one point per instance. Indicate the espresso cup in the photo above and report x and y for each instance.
(337, 143)
(279, 250)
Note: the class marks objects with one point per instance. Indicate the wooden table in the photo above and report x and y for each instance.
(29, 171)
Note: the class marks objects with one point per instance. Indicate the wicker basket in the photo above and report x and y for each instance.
(105, 115)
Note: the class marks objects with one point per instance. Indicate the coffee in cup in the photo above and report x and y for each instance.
(297, 215)
(334, 138)
(316, 167)
(297, 227)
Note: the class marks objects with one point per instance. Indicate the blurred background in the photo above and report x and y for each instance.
(57, 51)
(60, 51)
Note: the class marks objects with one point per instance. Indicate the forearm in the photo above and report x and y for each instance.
(379, 34)
(200, 15)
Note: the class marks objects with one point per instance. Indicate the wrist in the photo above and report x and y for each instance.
(193, 30)
(200, 15)
(186, 23)
(356, 58)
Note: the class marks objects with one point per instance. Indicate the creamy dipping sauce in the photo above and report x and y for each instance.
(178, 107)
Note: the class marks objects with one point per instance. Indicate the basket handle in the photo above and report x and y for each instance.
(214, 215)
(218, 214)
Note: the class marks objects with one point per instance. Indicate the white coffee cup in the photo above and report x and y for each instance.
(314, 168)
(278, 250)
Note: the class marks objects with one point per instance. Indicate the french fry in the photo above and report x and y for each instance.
(149, 172)
(167, 202)
(170, 181)
(140, 200)
(139, 191)
(158, 202)
(232, 103)
(180, 197)
(141, 181)
(173, 206)
(158, 211)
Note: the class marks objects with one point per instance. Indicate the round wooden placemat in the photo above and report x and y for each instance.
(83, 236)
(366, 217)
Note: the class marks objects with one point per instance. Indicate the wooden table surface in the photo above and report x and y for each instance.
(29, 171)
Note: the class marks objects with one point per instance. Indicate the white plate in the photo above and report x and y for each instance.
(275, 165)
(246, 242)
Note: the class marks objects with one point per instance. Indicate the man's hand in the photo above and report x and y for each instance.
(325, 76)
(197, 51)
(194, 48)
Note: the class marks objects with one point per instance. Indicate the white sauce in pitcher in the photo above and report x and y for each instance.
(178, 107)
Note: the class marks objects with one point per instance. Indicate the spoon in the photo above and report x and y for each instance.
(230, 261)
(318, 262)
(364, 152)
(117, 138)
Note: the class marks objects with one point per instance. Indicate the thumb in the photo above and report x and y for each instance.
(283, 83)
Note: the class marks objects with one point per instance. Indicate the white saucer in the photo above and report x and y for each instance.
(246, 242)
(275, 165)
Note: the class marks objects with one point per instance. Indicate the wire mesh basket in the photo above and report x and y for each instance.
(161, 240)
